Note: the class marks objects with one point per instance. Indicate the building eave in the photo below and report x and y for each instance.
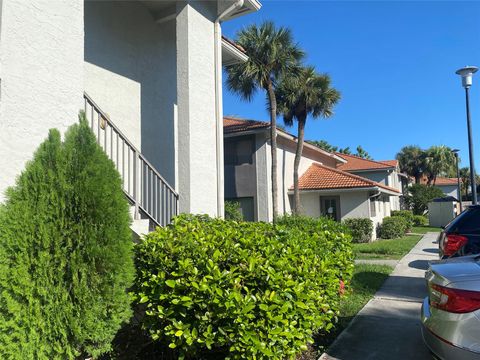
(371, 169)
(249, 6)
(347, 190)
(231, 54)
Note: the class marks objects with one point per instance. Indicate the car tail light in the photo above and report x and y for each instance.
(453, 243)
(454, 300)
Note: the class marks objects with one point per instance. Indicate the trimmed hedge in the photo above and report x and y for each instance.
(407, 215)
(392, 227)
(223, 289)
(66, 258)
(420, 220)
(360, 228)
(232, 211)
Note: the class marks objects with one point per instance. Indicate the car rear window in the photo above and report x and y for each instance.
(468, 222)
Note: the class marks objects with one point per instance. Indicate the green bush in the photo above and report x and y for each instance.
(360, 228)
(223, 289)
(407, 215)
(66, 255)
(420, 220)
(419, 197)
(232, 211)
(392, 227)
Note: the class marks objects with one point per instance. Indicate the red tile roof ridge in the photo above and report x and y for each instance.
(366, 181)
(358, 158)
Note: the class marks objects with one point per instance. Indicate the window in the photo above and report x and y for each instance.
(239, 151)
(373, 205)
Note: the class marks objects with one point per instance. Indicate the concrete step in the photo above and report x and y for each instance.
(139, 227)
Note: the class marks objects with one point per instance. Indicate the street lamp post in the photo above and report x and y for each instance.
(466, 73)
(459, 190)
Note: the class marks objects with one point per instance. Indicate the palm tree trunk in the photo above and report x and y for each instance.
(297, 208)
(273, 138)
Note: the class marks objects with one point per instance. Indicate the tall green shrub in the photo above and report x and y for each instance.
(360, 228)
(392, 227)
(420, 220)
(221, 289)
(407, 215)
(419, 197)
(65, 253)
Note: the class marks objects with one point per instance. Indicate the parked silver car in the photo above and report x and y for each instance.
(451, 312)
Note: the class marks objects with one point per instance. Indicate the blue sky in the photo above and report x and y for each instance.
(394, 63)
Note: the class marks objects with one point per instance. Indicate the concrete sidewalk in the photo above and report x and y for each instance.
(388, 327)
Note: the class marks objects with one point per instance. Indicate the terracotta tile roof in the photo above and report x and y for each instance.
(357, 163)
(234, 44)
(390, 162)
(233, 125)
(441, 181)
(320, 177)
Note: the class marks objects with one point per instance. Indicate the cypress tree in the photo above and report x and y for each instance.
(65, 252)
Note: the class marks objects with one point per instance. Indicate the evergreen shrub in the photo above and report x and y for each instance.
(360, 228)
(392, 227)
(222, 289)
(407, 215)
(66, 256)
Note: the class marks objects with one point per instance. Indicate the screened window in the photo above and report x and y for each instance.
(239, 151)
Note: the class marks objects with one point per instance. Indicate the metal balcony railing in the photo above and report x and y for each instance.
(145, 188)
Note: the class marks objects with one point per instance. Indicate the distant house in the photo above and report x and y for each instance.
(331, 184)
(247, 166)
(386, 172)
(449, 186)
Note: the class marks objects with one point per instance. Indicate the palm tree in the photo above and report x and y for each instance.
(272, 54)
(307, 93)
(439, 160)
(465, 179)
(412, 160)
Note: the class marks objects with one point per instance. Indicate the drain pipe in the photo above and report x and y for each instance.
(218, 102)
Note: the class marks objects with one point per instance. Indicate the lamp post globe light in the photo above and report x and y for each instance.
(459, 190)
(467, 73)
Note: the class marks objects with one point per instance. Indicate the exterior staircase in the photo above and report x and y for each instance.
(153, 201)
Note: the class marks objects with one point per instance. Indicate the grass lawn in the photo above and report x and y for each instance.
(425, 229)
(367, 279)
(386, 249)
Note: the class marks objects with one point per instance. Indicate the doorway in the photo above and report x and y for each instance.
(330, 207)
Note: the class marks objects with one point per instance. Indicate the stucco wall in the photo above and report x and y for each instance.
(262, 162)
(130, 72)
(41, 57)
(352, 204)
(197, 167)
(449, 190)
(285, 161)
(378, 176)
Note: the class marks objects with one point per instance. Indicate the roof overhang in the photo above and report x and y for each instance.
(348, 190)
(390, 169)
(231, 54)
(249, 6)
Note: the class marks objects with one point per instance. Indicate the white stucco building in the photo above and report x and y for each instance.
(336, 185)
(151, 71)
(449, 186)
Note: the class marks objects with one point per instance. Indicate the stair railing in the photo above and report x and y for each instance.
(143, 185)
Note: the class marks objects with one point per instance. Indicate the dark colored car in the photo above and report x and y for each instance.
(462, 235)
